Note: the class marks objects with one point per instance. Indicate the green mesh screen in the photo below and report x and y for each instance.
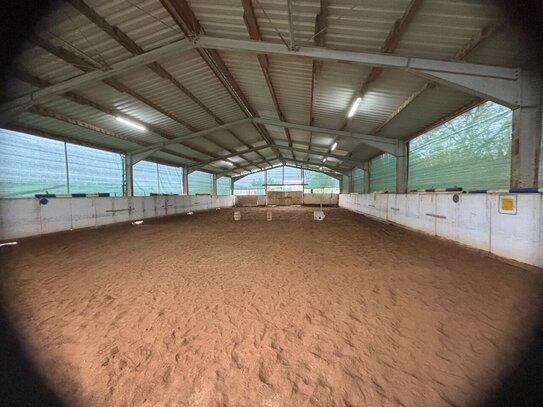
(224, 186)
(292, 180)
(383, 173)
(30, 165)
(292, 175)
(275, 175)
(252, 184)
(319, 182)
(93, 171)
(169, 180)
(472, 151)
(145, 175)
(358, 181)
(200, 183)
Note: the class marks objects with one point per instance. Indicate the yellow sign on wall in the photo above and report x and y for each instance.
(508, 204)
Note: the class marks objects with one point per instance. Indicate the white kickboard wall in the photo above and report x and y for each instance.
(25, 217)
(476, 220)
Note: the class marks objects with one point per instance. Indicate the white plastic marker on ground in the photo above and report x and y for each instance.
(190, 213)
(318, 215)
(137, 222)
(237, 215)
(269, 216)
(9, 244)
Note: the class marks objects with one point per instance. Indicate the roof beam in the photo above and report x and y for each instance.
(82, 100)
(391, 42)
(177, 140)
(322, 154)
(53, 114)
(482, 35)
(251, 23)
(290, 12)
(318, 39)
(386, 145)
(297, 162)
(182, 14)
(403, 106)
(496, 83)
(281, 147)
(336, 173)
(298, 165)
(363, 58)
(130, 45)
(225, 157)
(9, 109)
(76, 61)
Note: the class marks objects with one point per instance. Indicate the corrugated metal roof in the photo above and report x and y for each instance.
(439, 29)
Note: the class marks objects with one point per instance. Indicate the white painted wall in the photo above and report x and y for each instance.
(25, 217)
(317, 199)
(474, 221)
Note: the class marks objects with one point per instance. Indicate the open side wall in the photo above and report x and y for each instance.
(27, 217)
(476, 220)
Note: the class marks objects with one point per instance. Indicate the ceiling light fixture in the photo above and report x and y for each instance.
(130, 123)
(334, 146)
(324, 160)
(320, 168)
(229, 163)
(354, 107)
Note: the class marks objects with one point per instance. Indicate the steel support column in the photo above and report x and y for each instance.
(128, 176)
(214, 186)
(185, 177)
(367, 177)
(526, 137)
(401, 171)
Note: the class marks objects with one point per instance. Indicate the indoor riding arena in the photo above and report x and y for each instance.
(272, 203)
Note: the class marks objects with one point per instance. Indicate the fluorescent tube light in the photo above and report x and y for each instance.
(334, 145)
(354, 107)
(324, 160)
(130, 123)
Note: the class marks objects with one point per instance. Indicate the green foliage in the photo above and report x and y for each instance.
(383, 173)
(471, 151)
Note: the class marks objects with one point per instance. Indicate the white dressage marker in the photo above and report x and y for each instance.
(318, 215)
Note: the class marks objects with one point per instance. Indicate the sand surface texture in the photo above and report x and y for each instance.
(204, 311)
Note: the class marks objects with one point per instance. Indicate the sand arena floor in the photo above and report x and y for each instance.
(204, 311)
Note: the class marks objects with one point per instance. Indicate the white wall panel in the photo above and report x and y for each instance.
(26, 217)
(474, 221)
(518, 236)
